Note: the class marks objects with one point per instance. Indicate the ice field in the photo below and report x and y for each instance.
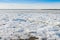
(17, 23)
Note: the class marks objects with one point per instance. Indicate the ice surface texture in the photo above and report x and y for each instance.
(42, 25)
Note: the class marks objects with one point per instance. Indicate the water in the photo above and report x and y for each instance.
(27, 23)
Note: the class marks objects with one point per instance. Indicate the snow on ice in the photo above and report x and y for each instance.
(41, 25)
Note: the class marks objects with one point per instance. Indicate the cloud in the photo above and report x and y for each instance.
(29, 6)
(19, 4)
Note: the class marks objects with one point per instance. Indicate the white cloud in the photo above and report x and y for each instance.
(29, 6)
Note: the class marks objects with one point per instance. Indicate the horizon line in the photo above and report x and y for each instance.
(29, 9)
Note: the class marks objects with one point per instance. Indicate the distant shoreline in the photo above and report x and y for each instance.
(29, 9)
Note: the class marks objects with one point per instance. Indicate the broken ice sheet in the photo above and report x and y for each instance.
(34, 24)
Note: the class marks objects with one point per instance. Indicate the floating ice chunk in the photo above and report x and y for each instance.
(20, 20)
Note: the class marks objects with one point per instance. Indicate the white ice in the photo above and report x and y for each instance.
(42, 25)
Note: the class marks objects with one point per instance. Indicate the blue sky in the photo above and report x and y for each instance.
(29, 4)
(29, 1)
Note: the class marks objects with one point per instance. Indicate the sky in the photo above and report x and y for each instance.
(29, 4)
